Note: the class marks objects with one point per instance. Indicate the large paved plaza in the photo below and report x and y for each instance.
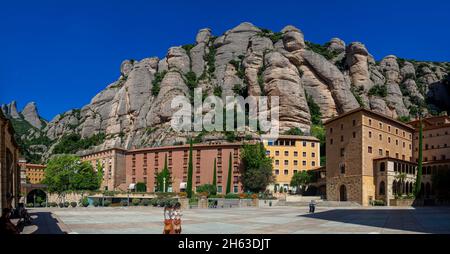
(296, 220)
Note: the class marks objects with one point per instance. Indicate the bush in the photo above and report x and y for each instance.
(124, 202)
(206, 189)
(232, 196)
(154, 202)
(159, 76)
(66, 204)
(85, 202)
(145, 202)
(378, 203)
(44, 204)
(135, 201)
(182, 194)
(61, 205)
(378, 90)
(96, 203)
(107, 203)
(73, 204)
(162, 202)
(30, 205)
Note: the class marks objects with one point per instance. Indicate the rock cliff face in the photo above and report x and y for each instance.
(135, 111)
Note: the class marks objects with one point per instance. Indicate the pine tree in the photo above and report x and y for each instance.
(229, 176)
(190, 172)
(215, 174)
(419, 163)
(163, 178)
(214, 182)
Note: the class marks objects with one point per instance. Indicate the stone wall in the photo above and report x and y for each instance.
(352, 184)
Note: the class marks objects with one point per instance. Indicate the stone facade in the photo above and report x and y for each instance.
(9, 168)
(292, 154)
(354, 140)
(112, 162)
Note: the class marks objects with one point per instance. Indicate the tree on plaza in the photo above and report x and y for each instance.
(301, 180)
(67, 173)
(190, 171)
(229, 175)
(163, 178)
(258, 168)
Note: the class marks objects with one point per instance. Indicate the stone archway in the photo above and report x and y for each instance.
(36, 197)
(343, 193)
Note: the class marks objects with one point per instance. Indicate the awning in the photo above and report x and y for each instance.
(183, 185)
(132, 186)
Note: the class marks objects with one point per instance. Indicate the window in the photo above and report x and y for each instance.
(277, 153)
(370, 134)
(304, 143)
(396, 131)
(295, 171)
(268, 153)
(313, 155)
(354, 122)
(342, 126)
(286, 162)
(387, 153)
(304, 154)
(342, 168)
(331, 130)
(270, 143)
(389, 140)
(380, 152)
(235, 189)
(396, 142)
(342, 138)
(389, 128)
(277, 171)
(331, 141)
(354, 134)
(313, 163)
(286, 172)
(286, 153)
(313, 144)
(219, 188)
(304, 163)
(380, 137)
(277, 162)
(381, 125)
(369, 149)
(295, 162)
(370, 122)
(382, 166)
(403, 157)
(295, 154)
(342, 152)
(396, 155)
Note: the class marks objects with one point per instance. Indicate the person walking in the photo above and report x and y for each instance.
(312, 206)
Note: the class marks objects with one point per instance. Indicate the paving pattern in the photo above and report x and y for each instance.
(277, 220)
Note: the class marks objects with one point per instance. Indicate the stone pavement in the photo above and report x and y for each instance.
(277, 220)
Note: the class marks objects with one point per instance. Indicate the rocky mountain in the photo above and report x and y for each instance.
(315, 83)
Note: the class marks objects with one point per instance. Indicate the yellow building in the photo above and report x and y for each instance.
(364, 150)
(34, 173)
(292, 154)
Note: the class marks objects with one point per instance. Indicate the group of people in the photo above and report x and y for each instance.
(6, 225)
(172, 219)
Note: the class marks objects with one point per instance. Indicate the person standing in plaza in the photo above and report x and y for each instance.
(177, 218)
(168, 220)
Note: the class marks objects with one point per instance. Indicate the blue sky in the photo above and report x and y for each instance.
(61, 53)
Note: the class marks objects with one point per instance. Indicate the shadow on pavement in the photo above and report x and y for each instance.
(420, 220)
(45, 223)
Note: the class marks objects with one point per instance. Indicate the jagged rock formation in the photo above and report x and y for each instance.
(135, 111)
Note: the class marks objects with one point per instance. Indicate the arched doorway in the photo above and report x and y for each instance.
(36, 197)
(343, 193)
(382, 189)
(427, 190)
